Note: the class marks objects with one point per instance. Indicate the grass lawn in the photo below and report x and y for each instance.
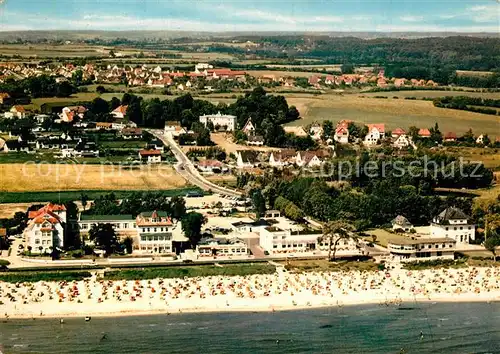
(64, 177)
(393, 112)
(384, 236)
(33, 277)
(193, 271)
(419, 94)
(324, 265)
(66, 196)
(489, 157)
(22, 157)
(127, 144)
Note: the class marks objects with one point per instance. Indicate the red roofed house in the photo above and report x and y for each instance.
(150, 156)
(397, 132)
(314, 81)
(376, 132)
(155, 230)
(210, 166)
(16, 111)
(45, 229)
(119, 112)
(450, 136)
(342, 132)
(424, 133)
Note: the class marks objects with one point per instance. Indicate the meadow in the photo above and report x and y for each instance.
(64, 177)
(420, 94)
(393, 112)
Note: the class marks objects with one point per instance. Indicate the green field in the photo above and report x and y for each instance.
(393, 112)
(194, 271)
(66, 196)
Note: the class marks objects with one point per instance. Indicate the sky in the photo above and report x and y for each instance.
(252, 15)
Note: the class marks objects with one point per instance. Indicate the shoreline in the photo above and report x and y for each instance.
(281, 291)
(186, 311)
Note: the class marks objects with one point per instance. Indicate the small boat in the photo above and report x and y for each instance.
(87, 318)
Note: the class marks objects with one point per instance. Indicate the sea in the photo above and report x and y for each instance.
(408, 328)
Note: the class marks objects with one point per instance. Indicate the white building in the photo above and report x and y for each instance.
(422, 249)
(119, 112)
(341, 135)
(150, 156)
(45, 230)
(155, 232)
(455, 224)
(124, 225)
(213, 247)
(401, 223)
(402, 141)
(376, 132)
(220, 120)
(276, 240)
(201, 67)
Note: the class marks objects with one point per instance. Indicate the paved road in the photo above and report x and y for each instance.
(186, 168)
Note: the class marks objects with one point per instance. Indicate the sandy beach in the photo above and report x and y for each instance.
(275, 292)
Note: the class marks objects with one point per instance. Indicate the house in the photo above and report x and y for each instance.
(81, 149)
(397, 132)
(450, 136)
(124, 225)
(150, 156)
(401, 223)
(276, 240)
(68, 114)
(155, 232)
(480, 139)
(220, 120)
(45, 228)
(308, 159)
(399, 82)
(341, 134)
(249, 127)
(4, 97)
(16, 111)
(376, 132)
(421, 249)
(297, 130)
(213, 247)
(131, 133)
(282, 158)
(246, 158)
(255, 140)
(424, 133)
(402, 141)
(104, 125)
(16, 146)
(48, 143)
(455, 224)
(316, 131)
(272, 214)
(120, 111)
(211, 166)
(314, 81)
(174, 128)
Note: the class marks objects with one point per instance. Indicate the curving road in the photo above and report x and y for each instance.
(186, 168)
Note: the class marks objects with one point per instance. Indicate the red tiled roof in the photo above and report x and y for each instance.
(398, 131)
(380, 127)
(150, 152)
(121, 109)
(424, 132)
(210, 163)
(19, 108)
(450, 135)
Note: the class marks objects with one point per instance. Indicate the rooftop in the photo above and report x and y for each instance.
(121, 217)
(419, 241)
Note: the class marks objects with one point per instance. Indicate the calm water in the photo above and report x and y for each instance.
(447, 328)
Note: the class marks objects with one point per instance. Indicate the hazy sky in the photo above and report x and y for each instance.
(252, 15)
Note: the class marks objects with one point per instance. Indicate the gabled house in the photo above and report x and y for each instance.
(308, 159)
(211, 166)
(401, 223)
(246, 158)
(150, 156)
(450, 136)
(424, 133)
(131, 133)
(402, 141)
(249, 127)
(155, 232)
(455, 224)
(316, 131)
(120, 111)
(397, 132)
(255, 140)
(16, 146)
(376, 132)
(282, 158)
(480, 139)
(342, 132)
(297, 130)
(16, 111)
(45, 229)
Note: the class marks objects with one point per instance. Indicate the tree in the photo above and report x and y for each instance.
(259, 203)
(327, 129)
(100, 89)
(468, 137)
(104, 236)
(436, 134)
(413, 132)
(178, 207)
(334, 231)
(77, 77)
(347, 69)
(491, 243)
(84, 198)
(191, 226)
(128, 244)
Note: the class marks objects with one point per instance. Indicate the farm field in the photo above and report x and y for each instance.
(46, 50)
(419, 94)
(394, 113)
(231, 147)
(278, 73)
(64, 177)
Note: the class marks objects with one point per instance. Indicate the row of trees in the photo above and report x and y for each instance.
(37, 86)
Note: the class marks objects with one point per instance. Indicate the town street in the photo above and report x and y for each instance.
(186, 168)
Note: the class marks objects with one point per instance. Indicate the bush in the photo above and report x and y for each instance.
(4, 263)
